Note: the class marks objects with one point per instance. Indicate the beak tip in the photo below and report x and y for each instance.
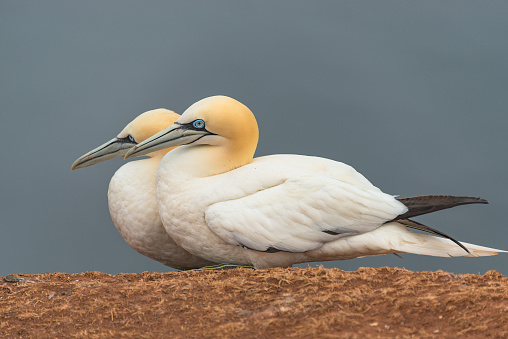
(129, 154)
(74, 166)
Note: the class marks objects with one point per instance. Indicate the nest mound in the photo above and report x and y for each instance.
(289, 303)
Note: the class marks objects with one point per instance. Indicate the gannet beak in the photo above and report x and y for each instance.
(175, 135)
(116, 147)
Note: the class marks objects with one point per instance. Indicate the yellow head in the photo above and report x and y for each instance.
(215, 121)
(138, 130)
(147, 124)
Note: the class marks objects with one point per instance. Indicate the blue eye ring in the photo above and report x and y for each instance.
(199, 124)
(131, 138)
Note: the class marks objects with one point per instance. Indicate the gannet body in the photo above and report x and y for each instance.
(131, 193)
(221, 204)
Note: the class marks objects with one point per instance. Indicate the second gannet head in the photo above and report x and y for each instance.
(138, 130)
(219, 121)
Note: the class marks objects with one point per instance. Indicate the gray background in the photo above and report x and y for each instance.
(412, 94)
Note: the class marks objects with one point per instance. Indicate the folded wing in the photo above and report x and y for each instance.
(301, 213)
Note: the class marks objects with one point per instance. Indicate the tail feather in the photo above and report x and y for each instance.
(441, 247)
(397, 238)
(421, 227)
(431, 203)
(426, 244)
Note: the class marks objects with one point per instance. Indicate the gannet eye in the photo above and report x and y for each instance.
(199, 124)
(131, 138)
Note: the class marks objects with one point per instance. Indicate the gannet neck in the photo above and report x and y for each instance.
(131, 197)
(159, 154)
(178, 162)
(133, 209)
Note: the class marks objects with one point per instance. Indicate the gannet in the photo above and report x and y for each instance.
(219, 203)
(131, 193)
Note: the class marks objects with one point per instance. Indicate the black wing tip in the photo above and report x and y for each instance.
(424, 204)
(483, 201)
(470, 200)
(466, 199)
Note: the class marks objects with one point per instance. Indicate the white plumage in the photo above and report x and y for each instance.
(292, 209)
(133, 209)
(131, 193)
(220, 204)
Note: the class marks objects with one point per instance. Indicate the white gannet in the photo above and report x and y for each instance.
(219, 203)
(131, 193)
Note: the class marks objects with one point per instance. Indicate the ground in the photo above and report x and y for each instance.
(244, 303)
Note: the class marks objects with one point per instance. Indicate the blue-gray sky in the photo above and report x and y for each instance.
(414, 95)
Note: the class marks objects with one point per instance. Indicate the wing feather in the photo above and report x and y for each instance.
(301, 213)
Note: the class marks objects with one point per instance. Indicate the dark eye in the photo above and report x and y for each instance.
(131, 138)
(199, 124)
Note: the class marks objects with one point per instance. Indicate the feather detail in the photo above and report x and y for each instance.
(421, 227)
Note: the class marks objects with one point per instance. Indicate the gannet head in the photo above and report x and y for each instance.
(217, 121)
(138, 130)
